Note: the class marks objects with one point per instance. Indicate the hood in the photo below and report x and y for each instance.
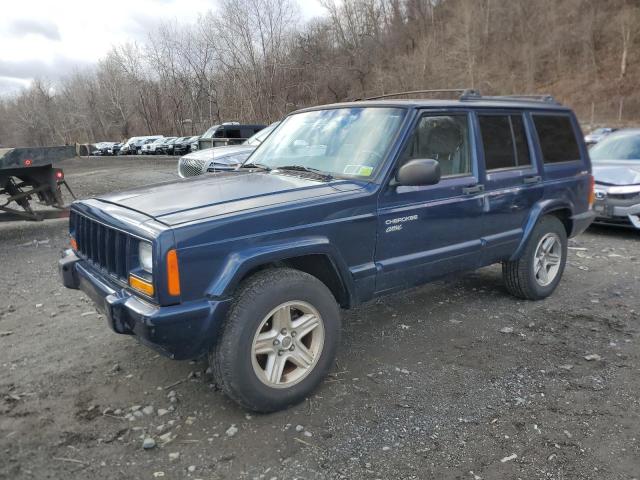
(208, 196)
(617, 172)
(216, 153)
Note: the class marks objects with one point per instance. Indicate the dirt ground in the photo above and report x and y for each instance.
(453, 380)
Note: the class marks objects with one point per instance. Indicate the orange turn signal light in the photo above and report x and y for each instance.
(592, 190)
(141, 285)
(173, 274)
(73, 243)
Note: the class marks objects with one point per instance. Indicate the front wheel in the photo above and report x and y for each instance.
(536, 274)
(279, 340)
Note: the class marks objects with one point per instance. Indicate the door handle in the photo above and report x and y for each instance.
(475, 189)
(532, 179)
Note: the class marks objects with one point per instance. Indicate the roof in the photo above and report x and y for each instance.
(480, 102)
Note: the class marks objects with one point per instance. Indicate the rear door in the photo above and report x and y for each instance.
(512, 179)
(427, 231)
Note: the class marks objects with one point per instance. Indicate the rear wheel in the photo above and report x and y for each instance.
(279, 340)
(536, 274)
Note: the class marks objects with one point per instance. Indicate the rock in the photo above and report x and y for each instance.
(386, 449)
(592, 357)
(191, 468)
(231, 431)
(117, 411)
(167, 437)
(506, 330)
(513, 456)
(6, 333)
(115, 369)
(148, 443)
(86, 314)
(162, 412)
(174, 456)
(158, 474)
(148, 410)
(299, 428)
(172, 393)
(568, 434)
(565, 367)
(138, 414)
(38, 305)
(308, 434)
(135, 408)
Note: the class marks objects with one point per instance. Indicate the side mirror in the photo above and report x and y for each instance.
(418, 172)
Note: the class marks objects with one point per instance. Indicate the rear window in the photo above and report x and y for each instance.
(505, 141)
(557, 138)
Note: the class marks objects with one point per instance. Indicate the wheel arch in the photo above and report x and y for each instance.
(317, 257)
(560, 209)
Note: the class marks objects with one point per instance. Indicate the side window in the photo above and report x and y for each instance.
(557, 138)
(444, 138)
(505, 141)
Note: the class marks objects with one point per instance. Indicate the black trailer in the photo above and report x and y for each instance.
(28, 174)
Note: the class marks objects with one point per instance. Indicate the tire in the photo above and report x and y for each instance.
(524, 278)
(263, 303)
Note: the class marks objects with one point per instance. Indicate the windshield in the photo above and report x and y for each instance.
(340, 141)
(259, 137)
(617, 147)
(209, 133)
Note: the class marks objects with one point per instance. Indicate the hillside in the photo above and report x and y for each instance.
(253, 60)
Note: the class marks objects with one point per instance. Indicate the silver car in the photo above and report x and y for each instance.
(616, 168)
(219, 159)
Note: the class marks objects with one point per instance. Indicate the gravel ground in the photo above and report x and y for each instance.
(453, 380)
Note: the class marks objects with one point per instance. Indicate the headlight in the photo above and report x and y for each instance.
(145, 255)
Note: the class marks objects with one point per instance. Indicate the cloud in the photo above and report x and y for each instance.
(25, 26)
(12, 85)
(21, 71)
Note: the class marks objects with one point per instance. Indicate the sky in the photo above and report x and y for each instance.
(50, 38)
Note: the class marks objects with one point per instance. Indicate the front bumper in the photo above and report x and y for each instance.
(618, 212)
(181, 332)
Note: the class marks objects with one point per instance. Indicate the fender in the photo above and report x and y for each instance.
(238, 264)
(539, 209)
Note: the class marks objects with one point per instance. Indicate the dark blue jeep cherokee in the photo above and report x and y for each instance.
(340, 204)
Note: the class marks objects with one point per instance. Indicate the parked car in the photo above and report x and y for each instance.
(228, 133)
(616, 167)
(172, 145)
(149, 147)
(221, 158)
(339, 205)
(114, 149)
(102, 148)
(597, 135)
(133, 146)
(161, 147)
(184, 146)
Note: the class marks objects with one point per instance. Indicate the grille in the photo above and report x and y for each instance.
(190, 167)
(103, 247)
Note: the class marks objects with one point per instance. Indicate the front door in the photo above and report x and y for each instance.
(428, 231)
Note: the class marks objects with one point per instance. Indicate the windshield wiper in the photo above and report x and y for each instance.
(256, 165)
(300, 168)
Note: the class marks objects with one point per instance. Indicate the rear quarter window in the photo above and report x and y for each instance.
(557, 138)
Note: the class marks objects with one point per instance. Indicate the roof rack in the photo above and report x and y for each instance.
(475, 95)
(462, 91)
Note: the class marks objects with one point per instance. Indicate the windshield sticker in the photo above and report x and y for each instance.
(361, 170)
